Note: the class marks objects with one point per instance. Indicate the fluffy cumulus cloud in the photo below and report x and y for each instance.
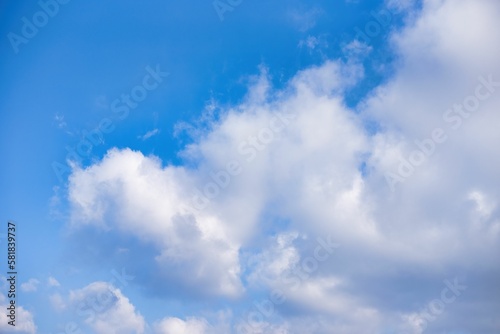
(198, 219)
(24, 322)
(135, 194)
(106, 310)
(179, 326)
(346, 227)
(219, 323)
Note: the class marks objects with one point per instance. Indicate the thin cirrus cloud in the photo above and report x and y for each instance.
(31, 285)
(324, 172)
(149, 134)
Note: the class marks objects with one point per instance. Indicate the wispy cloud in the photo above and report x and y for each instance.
(31, 285)
(305, 19)
(52, 282)
(149, 134)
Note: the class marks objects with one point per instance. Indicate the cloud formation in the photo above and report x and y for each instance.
(24, 323)
(299, 161)
(106, 310)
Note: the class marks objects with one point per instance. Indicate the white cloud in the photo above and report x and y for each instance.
(219, 324)
(154, 204)
(179, 326)
(106, 309)
(271, 264)
(440, 69)
(149, 134)
(313, 43)
(324, 174)
(401, 5)
(355, 49)
(57, 302)
(310, 42)
(31, 285)
(305, 19)
(52, 282)
(24, 322)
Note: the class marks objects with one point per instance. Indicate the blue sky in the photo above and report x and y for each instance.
(177, 167)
